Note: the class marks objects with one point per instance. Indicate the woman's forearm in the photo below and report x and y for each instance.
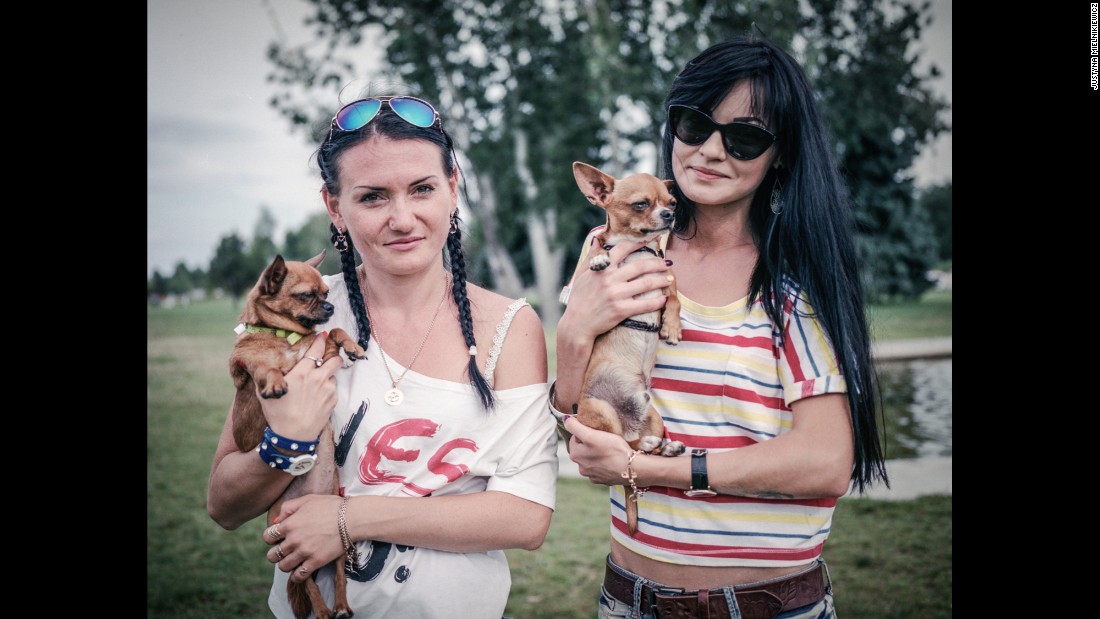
(241, 486)
(813, 460)
(573, 353)
(476, 522)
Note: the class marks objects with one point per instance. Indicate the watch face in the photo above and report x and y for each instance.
(301, 464)
(700, 493)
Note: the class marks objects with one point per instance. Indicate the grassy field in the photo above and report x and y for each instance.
(929, 318)
(887, 559)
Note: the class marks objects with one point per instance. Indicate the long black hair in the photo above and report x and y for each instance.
(389, 124)
(811, 239)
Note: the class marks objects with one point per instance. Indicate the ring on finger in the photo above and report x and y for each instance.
(279, 552)
(316, 360)
(302, 570)
(273, 532)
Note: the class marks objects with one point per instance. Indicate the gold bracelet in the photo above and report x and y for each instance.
(349, 548)
(631, 476)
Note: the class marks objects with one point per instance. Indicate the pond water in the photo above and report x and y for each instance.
(916, 400)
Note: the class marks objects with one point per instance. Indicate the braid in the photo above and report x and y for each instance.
(351, 281)
(458, 287)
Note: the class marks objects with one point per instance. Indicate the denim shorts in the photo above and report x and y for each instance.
(611, 608)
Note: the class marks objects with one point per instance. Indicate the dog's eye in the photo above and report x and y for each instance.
(640, 206)
(672, 203)
(305, 296)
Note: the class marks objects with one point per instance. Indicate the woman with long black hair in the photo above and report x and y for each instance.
(771, 388)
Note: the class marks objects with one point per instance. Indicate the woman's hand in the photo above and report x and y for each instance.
(302, 412)
(305, 535)
(600, 456)
(241, 486)
(599, 300)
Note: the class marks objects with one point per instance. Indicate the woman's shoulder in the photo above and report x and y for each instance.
(509, 333)
(793, 291)
(334, 280)
(489, 307)
(497, 314)
(337, 288)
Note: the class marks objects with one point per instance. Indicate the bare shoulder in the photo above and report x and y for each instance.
(522, 359)
(488, 308)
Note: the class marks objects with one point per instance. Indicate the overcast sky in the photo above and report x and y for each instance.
(217, 151)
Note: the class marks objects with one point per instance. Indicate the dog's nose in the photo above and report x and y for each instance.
(328, 307)
(667, 215)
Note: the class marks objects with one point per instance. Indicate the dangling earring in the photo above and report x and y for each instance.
(777, 206)
(454, 221)
(340, 242)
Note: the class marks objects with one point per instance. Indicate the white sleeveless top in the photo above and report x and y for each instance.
(438, 441)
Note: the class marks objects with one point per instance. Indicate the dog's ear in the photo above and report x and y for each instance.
(273, 276)
(669, 184)
(594, 184)
(316, 261)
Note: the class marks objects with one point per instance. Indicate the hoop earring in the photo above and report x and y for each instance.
(776, 204)
(340, 241)
(454, 221)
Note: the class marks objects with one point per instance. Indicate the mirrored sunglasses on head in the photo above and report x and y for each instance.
(742, 140)
(357, 114)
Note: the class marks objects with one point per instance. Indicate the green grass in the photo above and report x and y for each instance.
(887, 559)
(930, 317)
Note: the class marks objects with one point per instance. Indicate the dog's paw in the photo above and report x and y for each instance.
(355, 354)
(671, 331)
(672, 448)
(671, 335)
(273, 389)
(599, 262)
(650, 444)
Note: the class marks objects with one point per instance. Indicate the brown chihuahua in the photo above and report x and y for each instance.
(615, 393)
(275, 331)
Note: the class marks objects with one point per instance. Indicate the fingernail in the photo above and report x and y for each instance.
(324, 334)
(276, 521)
(669, 277)
(668, 262)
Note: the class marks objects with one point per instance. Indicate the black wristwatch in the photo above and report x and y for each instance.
(700, 485)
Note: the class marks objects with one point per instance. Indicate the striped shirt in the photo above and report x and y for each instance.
(729, 383)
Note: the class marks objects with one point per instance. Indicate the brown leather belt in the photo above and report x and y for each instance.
(756, 601)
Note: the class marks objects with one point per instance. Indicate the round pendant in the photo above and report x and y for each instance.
(394, 396)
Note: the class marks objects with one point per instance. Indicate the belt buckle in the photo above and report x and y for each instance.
(651, 597)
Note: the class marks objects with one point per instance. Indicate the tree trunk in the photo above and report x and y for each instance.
(547, 263)
(503, 275)
(502, 269)
(541, 226)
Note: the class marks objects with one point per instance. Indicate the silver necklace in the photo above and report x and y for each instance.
(394, 396)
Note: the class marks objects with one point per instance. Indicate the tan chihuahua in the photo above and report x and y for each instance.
(615, 393)
(275, 331)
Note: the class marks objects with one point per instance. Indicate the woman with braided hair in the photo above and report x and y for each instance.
(445, 454)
